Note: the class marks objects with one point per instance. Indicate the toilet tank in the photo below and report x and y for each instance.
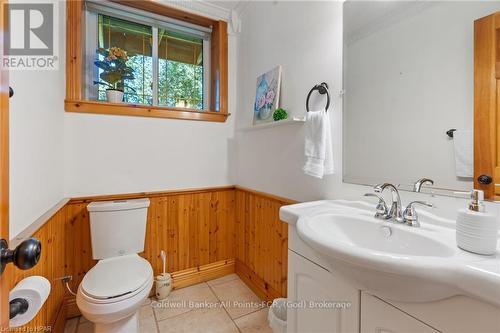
(117, 227)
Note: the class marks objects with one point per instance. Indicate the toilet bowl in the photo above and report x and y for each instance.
(112, 291)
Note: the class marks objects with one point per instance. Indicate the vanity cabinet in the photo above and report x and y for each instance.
(379, 317)
(311, 277)
(309, 282)
(316, 298)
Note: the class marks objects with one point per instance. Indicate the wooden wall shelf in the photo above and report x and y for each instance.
(138, 110)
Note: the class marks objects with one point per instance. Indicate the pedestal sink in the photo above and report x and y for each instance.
(391, 260)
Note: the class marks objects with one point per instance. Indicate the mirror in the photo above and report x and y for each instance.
(408, 80)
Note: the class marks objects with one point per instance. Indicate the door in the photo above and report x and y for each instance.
(487, 105)
(4, 177)
(322, 303)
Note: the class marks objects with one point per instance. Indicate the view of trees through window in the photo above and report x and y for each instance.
(180, 63)
(180, 80)
(180, 84)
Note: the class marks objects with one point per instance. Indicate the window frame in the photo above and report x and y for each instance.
(76, 76)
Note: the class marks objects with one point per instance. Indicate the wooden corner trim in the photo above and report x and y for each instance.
(138, 195)
(282, 200)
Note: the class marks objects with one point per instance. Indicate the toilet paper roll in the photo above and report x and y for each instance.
(34, 289)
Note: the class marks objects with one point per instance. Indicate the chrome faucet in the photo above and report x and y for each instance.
(417, 186)
(396, 210)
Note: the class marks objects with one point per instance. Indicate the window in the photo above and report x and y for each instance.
(181, 70)
(135, 39)
(177, 61)
(166, 62)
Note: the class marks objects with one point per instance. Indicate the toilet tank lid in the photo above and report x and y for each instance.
(117, 205)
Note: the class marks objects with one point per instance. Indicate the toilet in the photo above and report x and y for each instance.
(112, 292)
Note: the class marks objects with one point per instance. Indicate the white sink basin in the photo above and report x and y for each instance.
(371, 234)
(391, 260)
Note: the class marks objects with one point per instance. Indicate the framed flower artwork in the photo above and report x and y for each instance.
(267, 96)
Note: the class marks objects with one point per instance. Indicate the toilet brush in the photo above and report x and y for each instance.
(163, 282)
(164, 260)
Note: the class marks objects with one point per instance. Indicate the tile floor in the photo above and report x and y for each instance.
(224, 305)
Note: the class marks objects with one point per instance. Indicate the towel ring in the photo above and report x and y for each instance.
(322, 88)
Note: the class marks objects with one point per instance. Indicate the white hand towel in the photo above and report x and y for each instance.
(318, 144)
(463, 141)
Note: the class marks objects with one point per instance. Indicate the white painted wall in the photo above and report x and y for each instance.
(305, 37)
(406, 85)
(56, 154)
(36, 141)
(107, 154)
(112, 154)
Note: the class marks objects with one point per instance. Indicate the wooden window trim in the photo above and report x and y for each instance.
(75, 41)
(141, 110)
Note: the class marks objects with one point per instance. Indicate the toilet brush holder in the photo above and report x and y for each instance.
(163, 284)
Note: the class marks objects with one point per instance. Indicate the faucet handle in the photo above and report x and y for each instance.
(381, 208)
(410, 216)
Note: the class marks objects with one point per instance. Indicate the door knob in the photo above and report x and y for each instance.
(485, 179)
(11, 92)
(24, 256)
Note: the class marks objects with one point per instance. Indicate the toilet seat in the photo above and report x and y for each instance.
(116, 279)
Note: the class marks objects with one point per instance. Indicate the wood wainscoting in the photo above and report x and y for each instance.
(262, 243)
(206, 233)
(52, 266)
(194, 227)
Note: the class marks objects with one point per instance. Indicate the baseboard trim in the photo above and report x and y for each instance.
(254, 282)
(181, 279)
(203, 273)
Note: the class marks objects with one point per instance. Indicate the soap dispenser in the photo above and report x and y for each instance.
(477, 229)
